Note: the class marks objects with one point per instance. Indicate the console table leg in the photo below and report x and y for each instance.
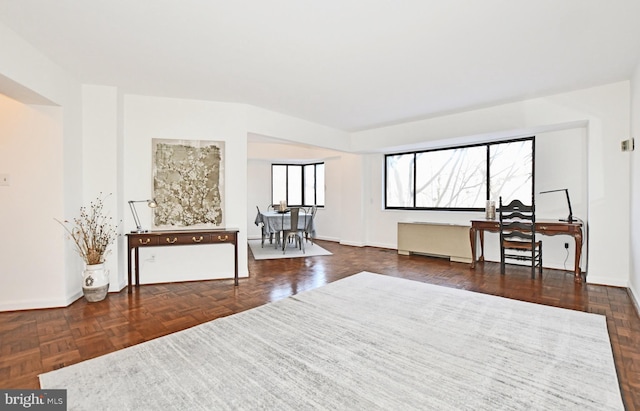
(129, 271)
(136, 253)
(235, 244)
(576, 267)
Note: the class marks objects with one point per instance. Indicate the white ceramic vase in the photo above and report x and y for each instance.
(95, 282)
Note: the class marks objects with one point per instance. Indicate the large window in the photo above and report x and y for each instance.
(460, 178)
(298, 184)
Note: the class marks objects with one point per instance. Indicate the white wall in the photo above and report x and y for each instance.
(561, 162)
(260, 158)
(554, 169)
(146, 118)
(601, 114)
(578, 135)
(634, 282)
(41, 149)
(354, 188)
(353, 180)
(258, 192)
(100, 164)
(32, 243)
(312, 142)
(272, 124)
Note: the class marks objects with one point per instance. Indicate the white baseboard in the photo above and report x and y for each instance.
(381, 245)
(351, 243)
(39, 304)
(634, 294)
(119, 287)
(606, 281)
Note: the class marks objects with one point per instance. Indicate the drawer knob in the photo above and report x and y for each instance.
(144, 241)
(170, 241)
(197, 240)
(221, 238)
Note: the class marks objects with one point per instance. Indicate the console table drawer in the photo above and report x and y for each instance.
(195, 238)
(223, 238)
(551, 229)
(145, 241)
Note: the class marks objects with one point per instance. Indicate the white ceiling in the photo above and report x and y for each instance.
(348, 64)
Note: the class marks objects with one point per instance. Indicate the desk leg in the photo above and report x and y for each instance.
(137, 258)
(129, 270)
(235, 244)
(577, 272)
(472, 237)
(472, 240)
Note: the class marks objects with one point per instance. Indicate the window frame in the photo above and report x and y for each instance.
(302, 183)
(488, 171)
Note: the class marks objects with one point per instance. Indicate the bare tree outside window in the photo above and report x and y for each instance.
(400, 180)
(511, 166)
(451, 178)
(456, 178)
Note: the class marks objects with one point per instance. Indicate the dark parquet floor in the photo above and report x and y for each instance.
(37, 341)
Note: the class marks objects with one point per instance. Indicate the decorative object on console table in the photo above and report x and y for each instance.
(569, 219)
(136, 219)
(490, 210)
(92, 233)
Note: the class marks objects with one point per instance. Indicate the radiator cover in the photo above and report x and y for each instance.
(435, 239)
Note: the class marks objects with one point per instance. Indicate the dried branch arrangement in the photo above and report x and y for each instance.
(92, 232)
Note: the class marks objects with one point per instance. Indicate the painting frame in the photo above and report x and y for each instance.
(188, 184)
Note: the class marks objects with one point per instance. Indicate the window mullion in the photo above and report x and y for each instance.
(488, 191)
(415, 179)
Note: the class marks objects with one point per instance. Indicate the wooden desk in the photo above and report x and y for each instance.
(178, 237)
(545, 227)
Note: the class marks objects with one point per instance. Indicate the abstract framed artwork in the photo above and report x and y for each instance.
(188, 183)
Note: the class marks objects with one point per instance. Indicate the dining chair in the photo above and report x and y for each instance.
(518, 235)
(261, 223)
(291, 229)
(309, 227)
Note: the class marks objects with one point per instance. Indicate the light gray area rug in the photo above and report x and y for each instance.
(270, 252)
(366, 342)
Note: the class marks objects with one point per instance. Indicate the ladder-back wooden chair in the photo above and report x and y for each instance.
(518, 235)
